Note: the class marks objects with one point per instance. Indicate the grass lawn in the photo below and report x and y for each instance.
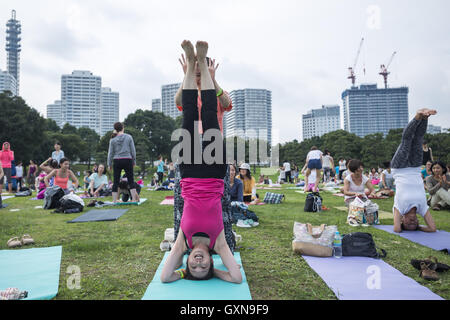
(118, 259)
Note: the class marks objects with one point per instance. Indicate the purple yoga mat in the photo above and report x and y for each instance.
(360, 278)
(439, 240)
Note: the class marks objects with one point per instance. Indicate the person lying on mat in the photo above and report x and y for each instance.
(410, 198)
(355, 183)
(202, 184)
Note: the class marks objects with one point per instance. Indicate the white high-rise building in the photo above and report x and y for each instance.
(8, 82)
(431, 129)
(251, 115)
(54, 112)
(168, 106)
(109, 110)
(317, 122)
(81, 99)
(156, 105)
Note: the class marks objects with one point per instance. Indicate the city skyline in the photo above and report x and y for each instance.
(311, 70)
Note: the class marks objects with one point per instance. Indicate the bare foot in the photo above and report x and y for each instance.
(189, 50)
(202, 50)
(425, 113)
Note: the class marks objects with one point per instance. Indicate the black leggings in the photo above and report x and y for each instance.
(209, 121)
(118, 165)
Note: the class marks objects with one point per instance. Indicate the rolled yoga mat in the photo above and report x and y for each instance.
(131, 203)
(100, 215)
(213, 289)
(439, 240)
(33, 270)
(361, 278)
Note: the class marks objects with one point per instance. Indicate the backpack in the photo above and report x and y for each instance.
(313, 202)
(360, 244)
(52, 196)
(70, 203)
(273, 198)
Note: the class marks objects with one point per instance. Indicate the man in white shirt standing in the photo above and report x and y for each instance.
(287, 171)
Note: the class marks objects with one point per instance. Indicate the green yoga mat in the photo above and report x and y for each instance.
(213, 289)
(33, 270)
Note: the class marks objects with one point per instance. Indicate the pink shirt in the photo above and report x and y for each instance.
(6, 156)
(202, 210)
(220, 111)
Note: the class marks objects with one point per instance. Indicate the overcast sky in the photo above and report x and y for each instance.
(300, 50)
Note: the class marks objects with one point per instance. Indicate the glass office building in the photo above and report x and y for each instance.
(368, 109)
(251, 114)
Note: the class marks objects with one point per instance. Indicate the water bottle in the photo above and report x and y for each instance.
(337, 245)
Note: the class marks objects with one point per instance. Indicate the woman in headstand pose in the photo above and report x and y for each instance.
(410, 198)
(202, 228)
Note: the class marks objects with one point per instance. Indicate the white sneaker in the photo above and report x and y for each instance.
(242, 224)
(165, 245)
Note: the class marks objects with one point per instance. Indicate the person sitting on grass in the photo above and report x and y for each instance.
(62, 176)
(438, 185)
(125, 190)
(355, 183)
(386, 184)
(245, 176)
(427, 170)
(410, 198)
(202, 186)
(236, 186)
(87, 181)
(98, 182)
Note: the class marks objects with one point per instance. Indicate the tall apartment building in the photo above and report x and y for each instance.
(109, 110)
(317, 122)
(80, 99)
(251, 115)
(8, 82)
(156, 105)
(368, 109)
(54, 112)
(84, 103)
(13, 48)
(168, 106)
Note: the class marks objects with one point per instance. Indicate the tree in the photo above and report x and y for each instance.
(91, 140)
(373, 151)
(69, 129)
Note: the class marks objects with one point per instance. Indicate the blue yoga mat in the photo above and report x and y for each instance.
(361, 278)
(100, 215)
(33, 270)
(439, 240)
(213, 289)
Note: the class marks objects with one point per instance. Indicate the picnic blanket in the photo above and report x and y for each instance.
(361, 278)
(34, 270)
(213, 289)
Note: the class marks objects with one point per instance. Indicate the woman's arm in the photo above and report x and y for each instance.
(431, 226)
(234, 273)
(431, 154)
(174, 260)
(397, 221)
(74, 179)
(240, 191)
(432, 189)
(48, 177)
(383, 180)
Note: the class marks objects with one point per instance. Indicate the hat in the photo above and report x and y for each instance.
(245, 166)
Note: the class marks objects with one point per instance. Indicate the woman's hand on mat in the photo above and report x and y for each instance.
(183, 63)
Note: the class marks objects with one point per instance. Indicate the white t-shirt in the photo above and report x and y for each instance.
(314, 154)
(410, 191)
(342, 165)
(287, 166)
(19, 171)
(387, 175)
(354, 187)
(326, 161)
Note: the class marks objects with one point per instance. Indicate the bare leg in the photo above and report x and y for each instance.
(316, 184)
(307, 173)
(189, 82)
(206, 81)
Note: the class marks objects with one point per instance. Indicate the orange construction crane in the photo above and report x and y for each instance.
(352, 69)
(384, 69)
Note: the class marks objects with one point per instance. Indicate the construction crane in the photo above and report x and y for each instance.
(352, 69)
(384, 69)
